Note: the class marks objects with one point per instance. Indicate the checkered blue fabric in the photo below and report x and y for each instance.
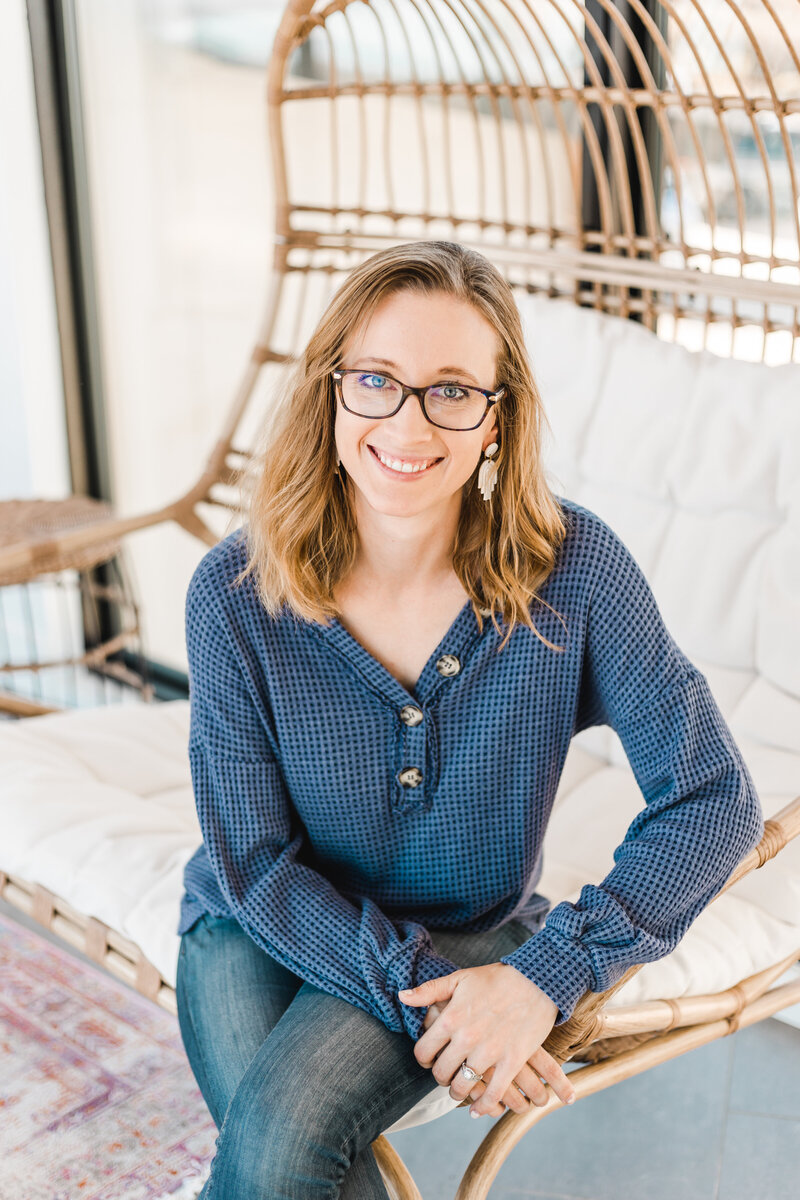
(343, 816)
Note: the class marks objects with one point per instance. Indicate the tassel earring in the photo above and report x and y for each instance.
(487, 475)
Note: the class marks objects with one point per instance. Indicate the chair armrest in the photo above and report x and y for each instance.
(36, 555)
(583, 1027)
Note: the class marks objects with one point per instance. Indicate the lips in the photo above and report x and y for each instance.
(406, 474)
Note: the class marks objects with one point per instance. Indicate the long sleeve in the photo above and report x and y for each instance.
(342, 943)
(702, 814)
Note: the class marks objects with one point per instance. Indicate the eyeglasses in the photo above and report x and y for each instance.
(448, 405)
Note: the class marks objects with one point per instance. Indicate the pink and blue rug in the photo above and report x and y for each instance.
(97, 1099)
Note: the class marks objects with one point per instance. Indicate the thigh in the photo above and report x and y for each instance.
(478, 949)
(317, 1093)
(230, 993)
(323, 1086)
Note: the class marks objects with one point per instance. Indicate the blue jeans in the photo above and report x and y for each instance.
(299, 1083)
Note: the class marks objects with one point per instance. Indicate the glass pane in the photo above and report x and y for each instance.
(729, 195)
(182, 216)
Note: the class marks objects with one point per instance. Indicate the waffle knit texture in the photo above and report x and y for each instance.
(338, 861)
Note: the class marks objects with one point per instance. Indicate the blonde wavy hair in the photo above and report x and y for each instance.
(301, 533)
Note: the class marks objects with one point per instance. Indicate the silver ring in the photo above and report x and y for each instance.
(468, 1072)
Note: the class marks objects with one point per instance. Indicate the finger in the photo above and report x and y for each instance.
(460, 1084)
(431, 1044)
(433, 1012)
(434, 989)
(447, 1067)
(546, 1066)
(496, 1089)
(514, 1098)
(526, 1090)
(477, 1090)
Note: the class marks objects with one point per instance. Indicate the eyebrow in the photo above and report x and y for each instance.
(387, 362)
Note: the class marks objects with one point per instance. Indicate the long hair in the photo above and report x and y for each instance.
(301, 532)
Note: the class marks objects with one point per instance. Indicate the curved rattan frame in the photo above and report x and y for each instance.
(512, 81)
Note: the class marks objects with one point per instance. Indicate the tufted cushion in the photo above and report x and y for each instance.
(695, 462)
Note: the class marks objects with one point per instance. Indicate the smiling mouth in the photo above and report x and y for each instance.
(397, 466)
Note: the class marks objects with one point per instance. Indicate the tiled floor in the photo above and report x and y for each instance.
(720, 1123)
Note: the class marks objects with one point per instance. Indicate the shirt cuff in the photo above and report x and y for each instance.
(428, 965)
(558, 966)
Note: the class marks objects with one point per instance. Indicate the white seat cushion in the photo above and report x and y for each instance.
(97, 805)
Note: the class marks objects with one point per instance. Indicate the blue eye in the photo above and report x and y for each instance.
(450, 393)
(362, 379)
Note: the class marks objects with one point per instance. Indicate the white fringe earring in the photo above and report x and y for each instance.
(487, 475)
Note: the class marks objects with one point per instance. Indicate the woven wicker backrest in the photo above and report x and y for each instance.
(640, 157)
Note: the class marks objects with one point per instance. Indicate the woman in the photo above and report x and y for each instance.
(386, 669)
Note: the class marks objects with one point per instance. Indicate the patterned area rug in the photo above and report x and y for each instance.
(97, 1099)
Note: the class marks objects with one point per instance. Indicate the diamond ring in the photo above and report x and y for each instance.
(468, 1072)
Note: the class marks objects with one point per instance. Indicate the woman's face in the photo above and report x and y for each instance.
(419, 340)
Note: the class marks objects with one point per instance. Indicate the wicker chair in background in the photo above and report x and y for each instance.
(54, 598)
(543, 135)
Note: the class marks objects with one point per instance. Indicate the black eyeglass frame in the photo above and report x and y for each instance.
(491, 396)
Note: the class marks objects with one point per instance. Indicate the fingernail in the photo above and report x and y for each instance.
(472, 1113)
(571, 1100)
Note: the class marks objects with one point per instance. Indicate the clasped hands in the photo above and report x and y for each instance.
(496, 1019)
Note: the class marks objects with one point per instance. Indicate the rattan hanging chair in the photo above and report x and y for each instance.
(611, 157)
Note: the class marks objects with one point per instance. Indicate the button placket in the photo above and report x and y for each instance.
(440, 673)
(411, 782)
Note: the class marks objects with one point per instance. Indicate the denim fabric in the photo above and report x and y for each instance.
(299, 1082)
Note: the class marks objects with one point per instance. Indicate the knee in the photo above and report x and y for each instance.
(277, 1147)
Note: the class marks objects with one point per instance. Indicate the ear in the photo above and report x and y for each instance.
(491, 436)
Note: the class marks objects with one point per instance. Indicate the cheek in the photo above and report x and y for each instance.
(467, 460)
(348, 432)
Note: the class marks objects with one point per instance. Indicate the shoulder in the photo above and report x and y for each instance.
(217, 597)
(213, 581)
(591, 551)
(221, 563)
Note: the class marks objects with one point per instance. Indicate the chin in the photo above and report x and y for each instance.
(405, 506)
(395, 506)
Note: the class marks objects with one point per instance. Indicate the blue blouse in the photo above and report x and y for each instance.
(344, 816)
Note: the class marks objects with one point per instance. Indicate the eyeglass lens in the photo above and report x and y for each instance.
(448, 404)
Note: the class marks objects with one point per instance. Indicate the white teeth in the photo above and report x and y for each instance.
(397, 465)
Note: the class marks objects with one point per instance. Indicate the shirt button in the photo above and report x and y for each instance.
(448, 664)
(410, 776)
(410, 714)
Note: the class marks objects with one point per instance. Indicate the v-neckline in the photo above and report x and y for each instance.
(452, 642)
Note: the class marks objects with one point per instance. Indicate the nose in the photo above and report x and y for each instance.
(411, 423)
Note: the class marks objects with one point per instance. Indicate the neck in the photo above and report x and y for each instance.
(406, 554)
